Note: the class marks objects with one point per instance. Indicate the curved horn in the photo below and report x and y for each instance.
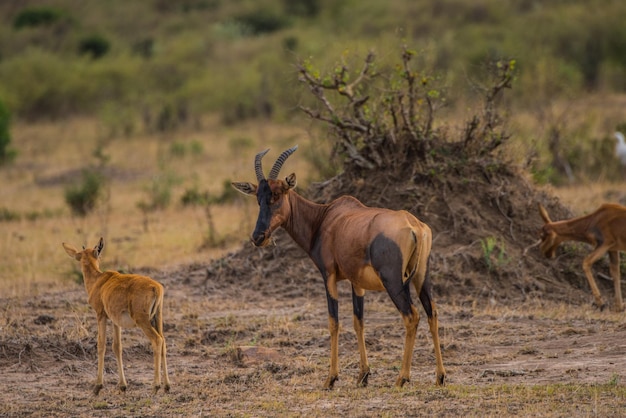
(279, 162)
(258, 169)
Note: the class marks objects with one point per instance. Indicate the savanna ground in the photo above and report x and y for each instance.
(247, 330)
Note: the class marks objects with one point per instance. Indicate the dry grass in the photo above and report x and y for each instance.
(51, 155)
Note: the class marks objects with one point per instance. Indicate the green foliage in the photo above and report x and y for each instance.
(385, 117)
(6, 153)
(180, 149)
(492, 250)
(95, 45)
(159, 191)
(305, 8)
(262, 21)
(36, 16)
(7, 215)
(235, 57)
(240, 144)
(194, 197)
(83, 197)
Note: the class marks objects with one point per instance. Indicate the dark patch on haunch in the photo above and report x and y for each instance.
(386, 258)
(333, 304)
(425, 295)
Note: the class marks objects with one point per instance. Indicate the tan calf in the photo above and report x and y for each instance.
(604, 229)
(128, 300)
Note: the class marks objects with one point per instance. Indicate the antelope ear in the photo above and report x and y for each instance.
(291, 180)
(245, 188)
(544, 214)
(98, 248)
(71, 251)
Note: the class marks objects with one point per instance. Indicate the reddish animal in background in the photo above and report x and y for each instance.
(604, 229)
(372, 248)
(129, 301)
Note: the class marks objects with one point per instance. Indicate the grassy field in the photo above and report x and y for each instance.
(53, 155)
(51, 159)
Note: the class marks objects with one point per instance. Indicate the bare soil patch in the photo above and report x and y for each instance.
(537, 357)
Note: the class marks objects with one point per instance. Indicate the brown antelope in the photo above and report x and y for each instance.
(375, 249)
(604, 229)
(129, 301)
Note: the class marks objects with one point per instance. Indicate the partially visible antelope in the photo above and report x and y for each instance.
(128, 300)
(604, 229)
(374, 249)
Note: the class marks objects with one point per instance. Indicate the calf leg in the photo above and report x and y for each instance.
(102, 340)
(157, 346)
(594, 256)
(617, 285)
(158, 325)
(117, 350)
(357, 308)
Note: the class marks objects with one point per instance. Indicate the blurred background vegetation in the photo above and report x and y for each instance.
(129, 119)
(156, 65)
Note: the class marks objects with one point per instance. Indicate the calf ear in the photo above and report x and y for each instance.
(291, 180)
(544, 214)
(99, 247)
(245, 188)
(71, 251)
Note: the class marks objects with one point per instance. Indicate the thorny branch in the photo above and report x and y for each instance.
(397, 129)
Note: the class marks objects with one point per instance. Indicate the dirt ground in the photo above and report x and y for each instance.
(247, 334)
(255, 346)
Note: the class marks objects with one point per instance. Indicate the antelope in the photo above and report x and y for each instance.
(604, 229)
(128, 300)
(374, 249)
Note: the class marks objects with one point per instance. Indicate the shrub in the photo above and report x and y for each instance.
(304, 8)
(95, 45)
(33, 17)
(262, 21)
(194, 197)
(82, 198)
(159, 192)
(7, 215)
(6, 153)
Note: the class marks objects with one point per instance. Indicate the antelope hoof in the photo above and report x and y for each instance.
(401, 381)
(97, 388)
(155, 389)
(441, 380)
(619, 307)
(330, 382)
(166, 388)
(361, 381)
(122, 387)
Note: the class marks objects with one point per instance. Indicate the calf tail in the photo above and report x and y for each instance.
(156, 311)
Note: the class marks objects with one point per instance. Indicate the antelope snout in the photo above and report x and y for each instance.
(258, 240)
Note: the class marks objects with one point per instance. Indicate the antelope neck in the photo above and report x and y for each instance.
(304, 221)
